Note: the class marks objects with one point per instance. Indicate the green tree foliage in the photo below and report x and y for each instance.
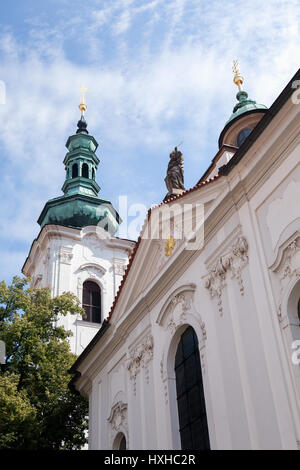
(37, 409)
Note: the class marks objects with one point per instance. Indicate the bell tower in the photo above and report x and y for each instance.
(76, 249)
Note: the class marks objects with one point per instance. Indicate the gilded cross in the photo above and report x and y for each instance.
(83, 105)
(238, 79)
(169, 245)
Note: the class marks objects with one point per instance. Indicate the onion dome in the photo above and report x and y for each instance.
(80, 205)
(246, 114)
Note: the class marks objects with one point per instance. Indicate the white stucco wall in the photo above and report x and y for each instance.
(63, 259)
(239, 293)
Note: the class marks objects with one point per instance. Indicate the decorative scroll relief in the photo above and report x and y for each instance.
(118, 416)
(119, 266)
(232, 262)
(171, 317)
(185, 300)
(287, 267)
(65, 254)
(139, 357)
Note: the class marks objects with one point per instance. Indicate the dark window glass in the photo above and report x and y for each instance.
(85, 170)
(122, 445)
(91, 301)
(93, 173)
(299, 309)
(242, 136)
(74, 170)
(190, 394)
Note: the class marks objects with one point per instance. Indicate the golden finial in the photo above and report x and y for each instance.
(169, 245)
(238, 79)
(83, 105)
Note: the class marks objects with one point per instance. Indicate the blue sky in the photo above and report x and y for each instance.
(157, 71)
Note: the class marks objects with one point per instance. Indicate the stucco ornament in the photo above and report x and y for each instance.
(65, 254)
(185, 300)
(286, 268)
(171, 318)
(139, 357)
(232, 263)
(118, 416)
(119, 266)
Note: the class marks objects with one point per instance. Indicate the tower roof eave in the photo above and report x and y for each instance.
(234, 119)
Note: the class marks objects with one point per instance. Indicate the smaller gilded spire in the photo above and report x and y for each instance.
(82, 124)
(82, 106)
(237, 79)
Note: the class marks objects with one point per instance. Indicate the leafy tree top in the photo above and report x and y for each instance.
(37, 409)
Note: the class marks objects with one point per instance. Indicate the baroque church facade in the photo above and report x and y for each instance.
(189, 342)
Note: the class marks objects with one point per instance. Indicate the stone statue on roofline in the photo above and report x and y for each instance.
(175, 174)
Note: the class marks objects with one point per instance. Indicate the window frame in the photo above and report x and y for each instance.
(91, 306)
(196, 382)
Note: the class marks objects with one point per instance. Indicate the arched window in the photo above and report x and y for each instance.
(91, 301)
(93, 173)
(74, 170)
(122, 445)
(242, 136)
(119, 442)
(85, 170)
(193, 426)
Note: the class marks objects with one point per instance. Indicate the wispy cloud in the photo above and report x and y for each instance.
(157, 71)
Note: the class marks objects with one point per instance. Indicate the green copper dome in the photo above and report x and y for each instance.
(80, 205)
(244, 105)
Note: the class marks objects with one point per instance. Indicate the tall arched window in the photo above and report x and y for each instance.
(193, 426)
(93, 173)
(91, 301)
(122, 445)
(85, 170)
(74, 170)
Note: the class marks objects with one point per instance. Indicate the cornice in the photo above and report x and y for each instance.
(49, 232)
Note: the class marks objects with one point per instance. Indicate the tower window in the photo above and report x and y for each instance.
(85, 170)
(193, 426)
(93, 173)
(74, 170)
(298, 309)
(91, 301)
(242, 136)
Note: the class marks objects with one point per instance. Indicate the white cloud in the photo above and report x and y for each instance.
(157, 72)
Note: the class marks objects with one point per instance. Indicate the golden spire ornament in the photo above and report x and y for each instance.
(82, 106)
(237, 79)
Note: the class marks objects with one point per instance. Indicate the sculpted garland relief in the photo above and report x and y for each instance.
(232, 262)
(139, 357)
